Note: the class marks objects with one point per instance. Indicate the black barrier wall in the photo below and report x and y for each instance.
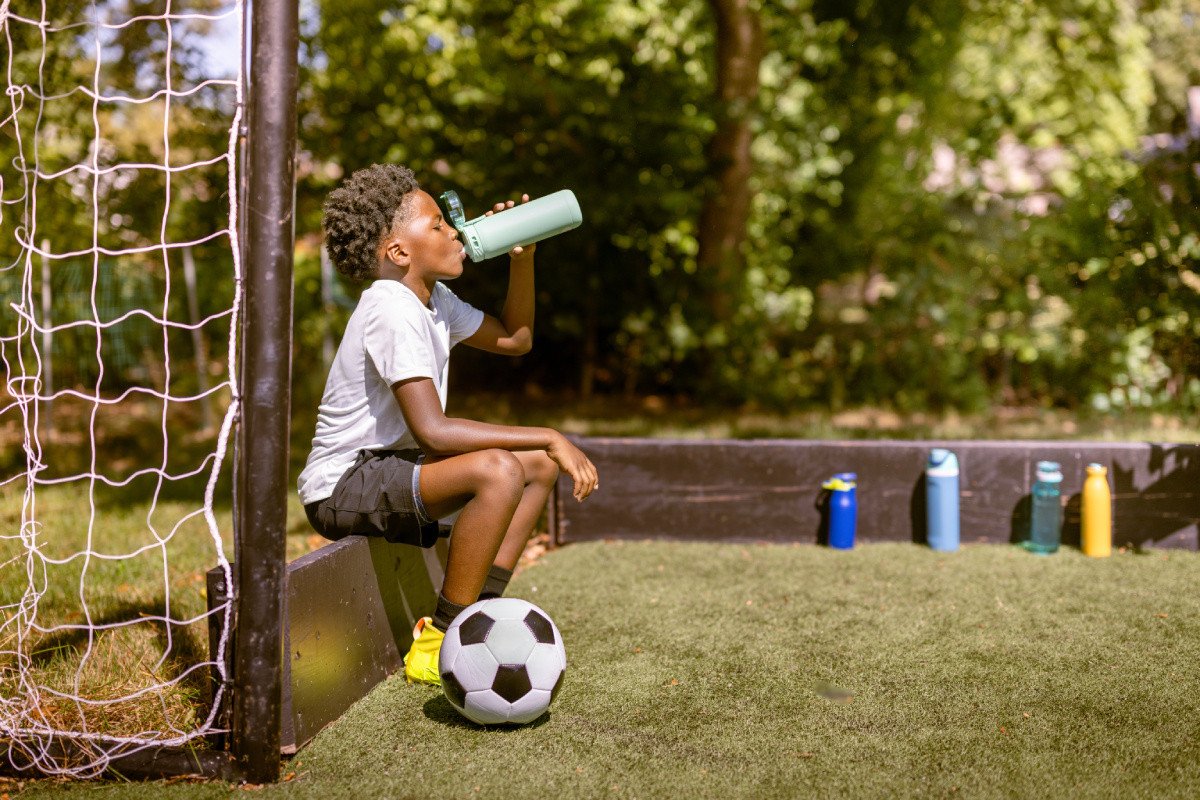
(769, 490)
(349, 610)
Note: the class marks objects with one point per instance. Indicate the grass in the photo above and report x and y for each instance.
(122, 660)
(764, 671)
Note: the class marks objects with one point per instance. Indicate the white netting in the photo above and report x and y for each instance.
(118, 176)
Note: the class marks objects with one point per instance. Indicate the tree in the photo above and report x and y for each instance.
(789, 201)
(722, 227)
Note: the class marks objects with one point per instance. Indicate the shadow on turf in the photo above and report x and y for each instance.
(439, 709)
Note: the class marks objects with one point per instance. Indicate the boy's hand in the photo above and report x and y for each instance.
(528, 249)
(572, 461)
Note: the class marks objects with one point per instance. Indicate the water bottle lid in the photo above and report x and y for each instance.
(848, 477)
(452, 209)
(1097, 469)
(942, 463)
(1049, 471)
(839, 483)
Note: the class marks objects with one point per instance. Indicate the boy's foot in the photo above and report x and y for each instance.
(421, 663)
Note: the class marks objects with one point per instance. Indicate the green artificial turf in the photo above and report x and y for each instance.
(771, 671)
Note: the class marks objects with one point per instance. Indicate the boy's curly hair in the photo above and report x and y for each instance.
(360, 211)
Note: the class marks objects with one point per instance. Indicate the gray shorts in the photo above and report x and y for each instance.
(379, 495)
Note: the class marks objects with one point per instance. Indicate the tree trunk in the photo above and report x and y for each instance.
(727, 207)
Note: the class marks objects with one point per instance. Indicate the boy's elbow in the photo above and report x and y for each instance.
(433, 444)
(522, 343)
(432, 439)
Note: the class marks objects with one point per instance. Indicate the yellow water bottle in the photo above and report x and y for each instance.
(1097, 513)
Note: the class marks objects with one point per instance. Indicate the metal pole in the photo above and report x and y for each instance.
(266, 402)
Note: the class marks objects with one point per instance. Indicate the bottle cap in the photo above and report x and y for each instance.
(1049, 471)
(1097, 469)
(452, 209)
(942, 463)
(842, 482)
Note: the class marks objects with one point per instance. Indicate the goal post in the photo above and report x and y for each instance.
(261, 509)
(109, 164)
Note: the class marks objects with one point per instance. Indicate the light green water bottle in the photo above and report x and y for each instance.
(490, 236)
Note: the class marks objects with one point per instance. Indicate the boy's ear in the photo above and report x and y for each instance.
(395, 251)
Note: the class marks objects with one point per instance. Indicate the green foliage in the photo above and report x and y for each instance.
(950, 208)
(607, 98)
(954, 203)
(62, 118)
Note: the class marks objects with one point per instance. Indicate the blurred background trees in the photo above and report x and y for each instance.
(789, 203)
(52, 135)
(805, 202)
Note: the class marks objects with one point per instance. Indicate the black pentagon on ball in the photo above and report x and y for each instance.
(455, 693)
(543, 631)
(474, 629)
(511, 683)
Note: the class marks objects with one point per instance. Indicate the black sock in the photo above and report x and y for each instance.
(445, 613)
(496, 583)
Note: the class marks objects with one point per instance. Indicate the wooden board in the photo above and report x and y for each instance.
(769, 490)
(350, 608)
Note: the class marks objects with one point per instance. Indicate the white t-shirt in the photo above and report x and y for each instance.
(391, 336)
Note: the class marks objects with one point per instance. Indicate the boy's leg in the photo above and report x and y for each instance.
(540, 474)
(501, 495)
(488, 485)
(442, 494)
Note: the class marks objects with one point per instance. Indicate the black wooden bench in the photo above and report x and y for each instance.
(767, 490)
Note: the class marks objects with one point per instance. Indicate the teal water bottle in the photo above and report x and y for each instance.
(490, 236)
(1045, 525)
(941, 500)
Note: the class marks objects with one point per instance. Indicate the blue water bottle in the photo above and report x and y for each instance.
(941, 500)
(1045, 525)
(843, 508)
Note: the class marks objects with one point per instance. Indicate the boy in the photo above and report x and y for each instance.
(386, 460)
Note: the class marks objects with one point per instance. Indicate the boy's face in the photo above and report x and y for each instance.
(425, 243)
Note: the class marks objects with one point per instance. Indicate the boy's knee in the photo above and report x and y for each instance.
(542, 469)
(501, 470)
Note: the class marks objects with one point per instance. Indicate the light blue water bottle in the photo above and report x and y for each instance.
(941, 500)
(493, 235)
(843, 509)
(1045, 524)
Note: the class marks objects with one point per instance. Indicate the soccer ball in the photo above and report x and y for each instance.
(502, 661)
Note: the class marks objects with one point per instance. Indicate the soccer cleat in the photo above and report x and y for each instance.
(421, 663)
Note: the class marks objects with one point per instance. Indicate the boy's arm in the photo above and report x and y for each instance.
(438, 434)
(512, 333)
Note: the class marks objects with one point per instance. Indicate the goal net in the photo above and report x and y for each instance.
(119, 303)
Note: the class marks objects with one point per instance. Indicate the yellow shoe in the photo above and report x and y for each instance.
(421, 663)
